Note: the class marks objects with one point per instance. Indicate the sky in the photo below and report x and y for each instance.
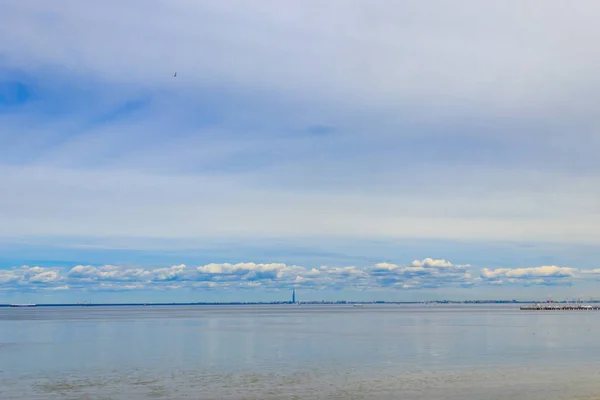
(366, 150)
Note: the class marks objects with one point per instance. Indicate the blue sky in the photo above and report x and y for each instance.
(351, 149)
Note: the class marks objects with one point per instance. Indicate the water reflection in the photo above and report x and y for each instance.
(314, 345)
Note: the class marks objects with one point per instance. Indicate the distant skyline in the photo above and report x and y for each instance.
(349, 149)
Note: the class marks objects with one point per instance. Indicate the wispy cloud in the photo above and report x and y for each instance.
(283, 121)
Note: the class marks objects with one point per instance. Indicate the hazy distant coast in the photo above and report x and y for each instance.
(323, 302)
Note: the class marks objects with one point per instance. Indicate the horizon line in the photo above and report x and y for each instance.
(314, 302)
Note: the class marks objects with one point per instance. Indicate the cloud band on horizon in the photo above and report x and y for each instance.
(420, 274)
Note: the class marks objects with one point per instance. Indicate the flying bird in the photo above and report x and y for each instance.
(175, 75)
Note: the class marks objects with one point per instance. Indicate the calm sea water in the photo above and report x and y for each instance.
(298, 352)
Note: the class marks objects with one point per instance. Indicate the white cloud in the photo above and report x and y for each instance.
(32, 277)
(165, 274)
(107, 272)
(431, 263)
(37, 275)
(543, 275)
(421, 273)
(248, 272)
(45, 277)
(58, 288)
(551, 271)
(433, 273)
(118, 286)
(208, 285)
(591, 271)
(7, 276)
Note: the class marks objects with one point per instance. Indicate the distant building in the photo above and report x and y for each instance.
(293, 296)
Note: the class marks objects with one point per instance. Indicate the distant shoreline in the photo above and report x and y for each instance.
(340, 302)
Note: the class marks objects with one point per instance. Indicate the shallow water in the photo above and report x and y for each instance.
(285, 352)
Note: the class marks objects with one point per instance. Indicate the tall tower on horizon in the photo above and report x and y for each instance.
(293, 296)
